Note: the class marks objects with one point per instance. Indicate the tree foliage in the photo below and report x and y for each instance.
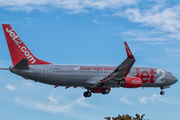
(127, 117)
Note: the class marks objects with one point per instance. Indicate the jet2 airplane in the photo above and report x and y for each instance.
(96, 79)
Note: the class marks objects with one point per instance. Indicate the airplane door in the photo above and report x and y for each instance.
(44, 72)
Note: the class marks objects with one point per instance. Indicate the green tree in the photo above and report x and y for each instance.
(127, 117)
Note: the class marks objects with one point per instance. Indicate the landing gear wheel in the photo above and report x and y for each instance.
(122, 83)
(87, 94)
(105, 91)
(162, 93)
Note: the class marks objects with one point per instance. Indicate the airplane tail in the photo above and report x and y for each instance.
(18, 49)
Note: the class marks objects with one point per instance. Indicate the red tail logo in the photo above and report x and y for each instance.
(17, 48)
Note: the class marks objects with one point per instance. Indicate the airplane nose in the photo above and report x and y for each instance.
(175, 79)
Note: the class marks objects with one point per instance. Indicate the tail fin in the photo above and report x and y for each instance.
(18, 49)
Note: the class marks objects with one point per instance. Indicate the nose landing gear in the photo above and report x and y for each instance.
(162, 92)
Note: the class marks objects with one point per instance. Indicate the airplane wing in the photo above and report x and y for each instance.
(121, 71)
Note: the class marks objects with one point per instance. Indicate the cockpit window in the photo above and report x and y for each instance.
(169, 73)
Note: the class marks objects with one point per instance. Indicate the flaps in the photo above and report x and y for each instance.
(94, 80)
(22, 65)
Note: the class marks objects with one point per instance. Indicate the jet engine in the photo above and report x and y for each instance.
(131, 82)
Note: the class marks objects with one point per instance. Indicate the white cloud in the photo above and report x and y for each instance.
(95, 21)
(125, 100)
(161, 17)
(164, 19)
(70, 6)
(153, 98)
(148, 35)
(143, 99)
(81, 101)
(144, 35)
(52, 99)
(10, 87)
(5, 63)
(163, 23)
(63, 107)
(172, 50)
(54, 108)
(26, 83)
(48, 107)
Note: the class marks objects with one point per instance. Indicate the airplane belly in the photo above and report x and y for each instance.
(66, 80)
(154, 84)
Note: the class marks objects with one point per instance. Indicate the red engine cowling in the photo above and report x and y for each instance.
(132, 82)
(98, 90)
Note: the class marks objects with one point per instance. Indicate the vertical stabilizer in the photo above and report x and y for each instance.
(18, 49)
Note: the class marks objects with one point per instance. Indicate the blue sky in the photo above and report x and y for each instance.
(91, 32)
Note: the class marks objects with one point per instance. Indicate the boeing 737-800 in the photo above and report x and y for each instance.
(96, 79)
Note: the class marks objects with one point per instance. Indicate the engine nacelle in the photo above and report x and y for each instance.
(132, 82)
(99, 90)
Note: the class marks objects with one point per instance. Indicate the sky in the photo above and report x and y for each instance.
(91, 32)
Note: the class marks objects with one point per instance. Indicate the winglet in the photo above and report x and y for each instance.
(129, 53)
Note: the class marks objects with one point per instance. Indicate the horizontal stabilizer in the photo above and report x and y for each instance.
(22, 65)
(4, 68)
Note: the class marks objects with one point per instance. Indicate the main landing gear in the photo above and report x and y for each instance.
(105, 91)
(162, 92)
(87, 94)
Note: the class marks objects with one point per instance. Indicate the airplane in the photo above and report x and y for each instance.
(94, 78)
